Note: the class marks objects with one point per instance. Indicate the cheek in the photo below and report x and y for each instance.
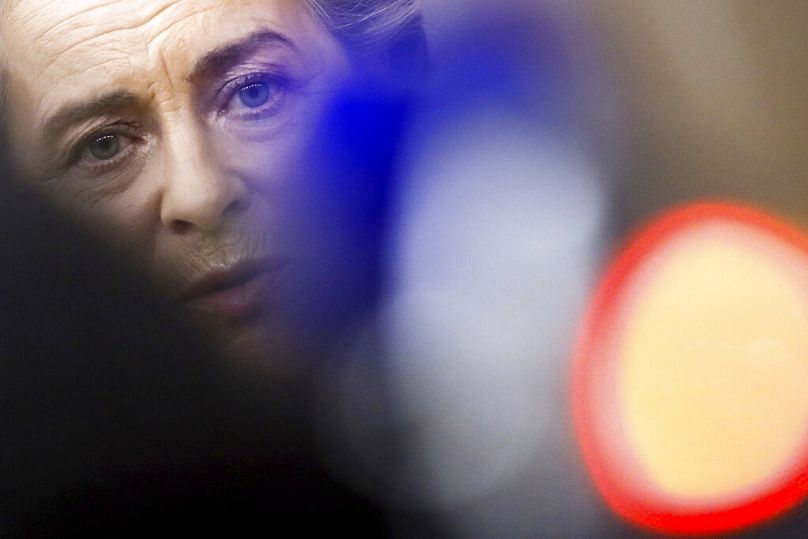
(273, 163)
(120, 205)
(126, 220)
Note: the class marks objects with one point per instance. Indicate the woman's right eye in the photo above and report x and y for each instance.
(104, 147)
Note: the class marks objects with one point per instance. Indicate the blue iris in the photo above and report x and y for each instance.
(254, 95)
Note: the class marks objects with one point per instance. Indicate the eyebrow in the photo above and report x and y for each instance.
(218, 59)
(236, 51)
(76, 112)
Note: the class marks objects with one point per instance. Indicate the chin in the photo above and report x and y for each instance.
(261, 346)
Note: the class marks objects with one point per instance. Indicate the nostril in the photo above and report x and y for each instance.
(187, 207)
(181, 227)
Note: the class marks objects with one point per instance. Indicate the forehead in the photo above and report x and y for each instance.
(80, 43)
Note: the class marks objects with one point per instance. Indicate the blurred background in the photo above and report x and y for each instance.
(549, 132)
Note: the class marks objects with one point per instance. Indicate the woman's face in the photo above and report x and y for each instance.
(175, 127)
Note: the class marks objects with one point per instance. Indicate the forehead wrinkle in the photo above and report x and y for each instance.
(155, 93)
(83, 12)
(148, 19)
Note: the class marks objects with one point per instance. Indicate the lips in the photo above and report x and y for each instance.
(238, 293)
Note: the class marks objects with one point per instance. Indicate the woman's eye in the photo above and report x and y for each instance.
(105, 147)
(253, 98)
(254, 95)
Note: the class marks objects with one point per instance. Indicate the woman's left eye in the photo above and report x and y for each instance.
(254, 95)
(252, 98)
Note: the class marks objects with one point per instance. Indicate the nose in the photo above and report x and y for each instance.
(199, 194)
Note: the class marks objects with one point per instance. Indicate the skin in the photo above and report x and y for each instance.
(198, 177)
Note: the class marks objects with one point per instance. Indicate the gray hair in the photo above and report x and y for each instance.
(390, 31)
(367, 22)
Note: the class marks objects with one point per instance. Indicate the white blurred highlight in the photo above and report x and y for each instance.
(498, 230)
(453, 398)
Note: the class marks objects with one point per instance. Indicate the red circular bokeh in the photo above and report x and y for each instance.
(606, 455)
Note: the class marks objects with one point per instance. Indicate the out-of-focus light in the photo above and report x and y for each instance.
(689, 380)
(493, 247)
(481, 311)
(452, 397)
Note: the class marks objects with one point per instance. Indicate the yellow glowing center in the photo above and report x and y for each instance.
(713, 369)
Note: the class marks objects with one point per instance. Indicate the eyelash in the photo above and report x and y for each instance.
(278, 86)
(122, 131)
